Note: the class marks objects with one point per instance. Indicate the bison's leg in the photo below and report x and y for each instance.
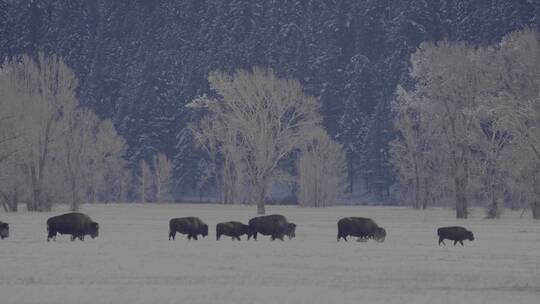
(172, 235)
(194, 237)
(73, 237)
(461, 242)
(455, 242)
(81, 237)
(238, 238)
(217, 237)
(441, 240)
(51, 235)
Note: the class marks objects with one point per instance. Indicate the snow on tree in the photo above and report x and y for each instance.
(162, 176)
(59, 146)
(321, 172)
(270, 117)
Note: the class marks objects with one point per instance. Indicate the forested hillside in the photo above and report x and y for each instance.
(139, 62)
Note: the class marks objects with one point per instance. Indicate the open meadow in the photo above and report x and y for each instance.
(133, 262)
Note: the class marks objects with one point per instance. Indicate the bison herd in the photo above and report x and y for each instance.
(78, 225)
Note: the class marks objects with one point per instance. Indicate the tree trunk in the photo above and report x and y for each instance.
(493, 210)
(416, 186)
(260, 208)
(535, 208)
(260, 189)
(427, 194)
(351, 174)
(74, 197)
(461, 198)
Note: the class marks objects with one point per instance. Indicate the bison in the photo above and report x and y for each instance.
(454, 233)
(275, 225)
(76, 224)
(192, 226)
(232, 229)
(363, 228)
(4, 230)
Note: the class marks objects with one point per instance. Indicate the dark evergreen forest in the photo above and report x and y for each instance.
(140, 62)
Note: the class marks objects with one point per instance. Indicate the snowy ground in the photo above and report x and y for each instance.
(133, 262)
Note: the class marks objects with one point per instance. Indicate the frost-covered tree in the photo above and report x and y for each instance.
(162, 168)
(39, 91)
(269, 117)
(79, 141)
(419, 166)
(60, 152)
(321, 172)
(518, 86)
(223, 164)
(145, 182)
(450, 85)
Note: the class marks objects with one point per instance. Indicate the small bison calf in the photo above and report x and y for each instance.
(4, 230)
(192, 226)
(232, 229)
(454, 233)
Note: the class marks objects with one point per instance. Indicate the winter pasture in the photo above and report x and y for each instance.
(133, 262)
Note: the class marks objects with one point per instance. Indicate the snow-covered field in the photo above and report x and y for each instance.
(132, 260)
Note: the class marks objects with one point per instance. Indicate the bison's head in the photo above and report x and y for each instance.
(94, 230)
(291, 230)
(244, 229)
(251, 232)
(379, 235)
(4, 230)
(470, 236)
(204, 230)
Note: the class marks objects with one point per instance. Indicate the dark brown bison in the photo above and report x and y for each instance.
(76, 224)
(4, 230)
(192, 226)
(275, 225)
(363, 228)
(454, 233)
(232, 229)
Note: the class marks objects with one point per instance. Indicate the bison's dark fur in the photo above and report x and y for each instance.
(4, 230)
(363, 228)
(275, 225)
(192, 226)
(232, 229)
(454, 233)
(76, 224)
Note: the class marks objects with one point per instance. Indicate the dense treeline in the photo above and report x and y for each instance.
(139, 62)
(468, 129)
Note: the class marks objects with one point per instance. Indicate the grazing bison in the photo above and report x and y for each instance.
(232, 229)
(454, 233)
(275, 225)
(192, 226)
(363, 228)
(4, 230)
(76, 224)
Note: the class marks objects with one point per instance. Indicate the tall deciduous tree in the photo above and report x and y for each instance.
(450, 85)
(162, 176)
(518, 84)
(269, 117)
(41, 90)
(321, 172)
